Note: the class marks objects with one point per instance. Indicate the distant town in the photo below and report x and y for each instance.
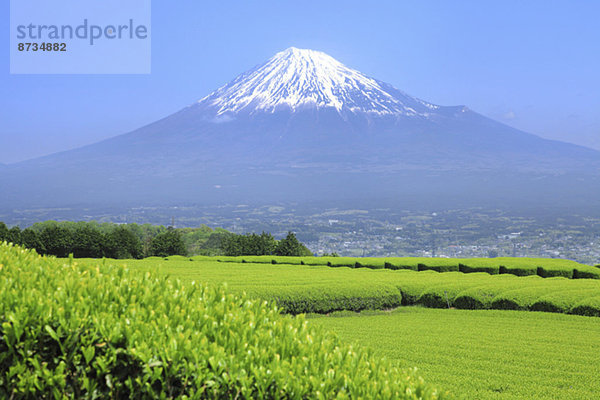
(374, 232)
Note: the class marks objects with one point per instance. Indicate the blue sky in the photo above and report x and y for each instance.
(534, 65)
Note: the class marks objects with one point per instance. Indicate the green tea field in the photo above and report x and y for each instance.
(203, 327)
(322, 289)
(74, 331)
(484, 354)
(488, 350)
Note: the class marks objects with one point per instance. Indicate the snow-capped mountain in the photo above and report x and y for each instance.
(304, 126)
(297, 79)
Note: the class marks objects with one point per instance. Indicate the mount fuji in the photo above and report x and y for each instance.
(304, 126)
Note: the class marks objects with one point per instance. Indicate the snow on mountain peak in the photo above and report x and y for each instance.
(298, 78)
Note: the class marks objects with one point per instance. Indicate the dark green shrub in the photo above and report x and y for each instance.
(470, 301)
(521, 271)
(349, 262)
(369, 262)
(490, 269)
(589, 307)
(409, 298)
(397, 266)
(434, 298)
(506, 304)
(547, 306)
(549, 273)
(437, 268)
(586, 274)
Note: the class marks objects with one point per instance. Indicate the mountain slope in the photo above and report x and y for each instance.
(302, 119)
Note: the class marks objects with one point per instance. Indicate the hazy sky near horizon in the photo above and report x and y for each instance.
(533, 65)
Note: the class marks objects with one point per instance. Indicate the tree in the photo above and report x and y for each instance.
(57, 241)
(31, 240)
(14, 235)
(167, 244)
(214, 241)
(265, 244)
(87, 242)
(231, 245)
(291, 246)
(213, 245)
(3, 232)
(249, 244)
(258, 245)
(123, 243)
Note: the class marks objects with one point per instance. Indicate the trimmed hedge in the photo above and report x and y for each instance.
(400, 263)
(481, 296)
(321, 289)
(287, 260)
(438, 268)
(548, 272)
(563, 301)
(589, 307)
(519, 270)
(178, 258)
(478, 266)
(518, 299)
(546, 268)
(349, 262)
(70, 330)
(321, 299)
(580, 273)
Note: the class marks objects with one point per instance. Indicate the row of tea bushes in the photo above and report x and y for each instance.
(520, 266)
(502, 292)
(93, 330)
(323, 289)
(324, 299)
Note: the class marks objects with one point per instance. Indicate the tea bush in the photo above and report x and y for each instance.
(94, 330)
(589, 307)
(322, 299)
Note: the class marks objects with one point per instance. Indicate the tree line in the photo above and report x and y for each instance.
(89, 240)
(264, 244)
(96, 240)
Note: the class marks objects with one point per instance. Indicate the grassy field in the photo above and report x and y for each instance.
(484, 354)
(306, 288)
